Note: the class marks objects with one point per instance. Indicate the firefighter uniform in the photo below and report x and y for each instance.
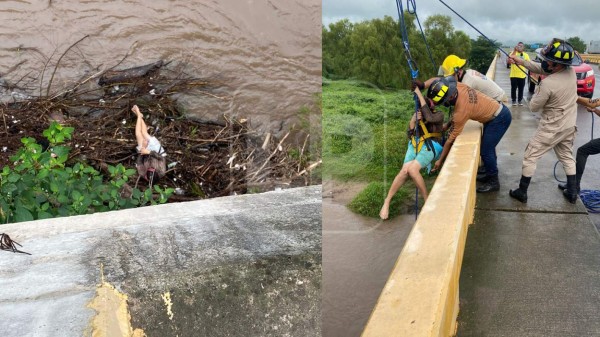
(556, 99)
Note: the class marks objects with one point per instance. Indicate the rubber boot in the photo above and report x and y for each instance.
(491, 185)
(521, 192)
(570, 193)
(563, 186)
(482, 177)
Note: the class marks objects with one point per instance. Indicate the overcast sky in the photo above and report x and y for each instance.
(502, 20)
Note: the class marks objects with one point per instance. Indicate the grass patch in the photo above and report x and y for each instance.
(369, 201)
(364, 139)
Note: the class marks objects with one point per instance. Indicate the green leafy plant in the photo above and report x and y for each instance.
(41, 185)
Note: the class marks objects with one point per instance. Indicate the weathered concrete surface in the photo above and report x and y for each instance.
(236, 266)
(529, 269)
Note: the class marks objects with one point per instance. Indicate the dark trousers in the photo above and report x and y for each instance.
(589, 148)
(516, 83)
(492, 134)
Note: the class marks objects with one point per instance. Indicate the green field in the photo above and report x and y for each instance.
(364, 139)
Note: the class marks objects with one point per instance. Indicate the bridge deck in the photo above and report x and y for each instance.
(529, 269)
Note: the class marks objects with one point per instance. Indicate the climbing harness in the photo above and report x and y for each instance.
(414, 71)
(424, 139)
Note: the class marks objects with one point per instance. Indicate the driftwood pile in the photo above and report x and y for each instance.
(205, 159)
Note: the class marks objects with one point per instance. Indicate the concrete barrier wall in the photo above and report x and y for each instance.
(241, 265)
(420, 297)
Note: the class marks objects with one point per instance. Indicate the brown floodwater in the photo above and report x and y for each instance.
(268, 53)
(358, 256)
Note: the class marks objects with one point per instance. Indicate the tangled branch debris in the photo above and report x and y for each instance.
(206, 159)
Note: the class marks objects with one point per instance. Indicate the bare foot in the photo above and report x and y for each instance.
(385, 211)
(136, 110)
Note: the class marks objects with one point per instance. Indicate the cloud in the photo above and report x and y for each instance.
(505, 21)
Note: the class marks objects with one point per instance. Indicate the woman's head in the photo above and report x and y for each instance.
(151, 166)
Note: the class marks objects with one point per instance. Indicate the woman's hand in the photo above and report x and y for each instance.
(437, 165)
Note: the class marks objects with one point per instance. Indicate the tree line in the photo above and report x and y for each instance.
(575, 41)
(373, 51)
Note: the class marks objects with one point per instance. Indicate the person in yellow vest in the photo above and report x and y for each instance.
(423, 148)
(517, 74)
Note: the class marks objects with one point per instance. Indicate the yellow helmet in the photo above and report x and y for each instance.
(452, 63)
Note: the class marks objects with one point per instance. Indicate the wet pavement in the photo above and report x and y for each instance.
(532, 269)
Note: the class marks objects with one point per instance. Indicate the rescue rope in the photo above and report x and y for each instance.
(487, 38)
(414, 70)
(414, 11)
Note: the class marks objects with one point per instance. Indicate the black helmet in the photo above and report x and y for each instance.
(560, 51)
(442, 89)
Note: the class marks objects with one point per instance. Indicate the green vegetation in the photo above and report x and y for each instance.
(482, 54)
(369, 201)
(577, 43)
(372, 51)
(364, 139)
(41, 185)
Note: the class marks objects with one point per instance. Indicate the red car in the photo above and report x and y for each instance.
(585, 77)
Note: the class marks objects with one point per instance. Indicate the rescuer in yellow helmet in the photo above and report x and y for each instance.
(454, 65)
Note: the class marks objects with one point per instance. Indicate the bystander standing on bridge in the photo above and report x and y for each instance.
(517, 74)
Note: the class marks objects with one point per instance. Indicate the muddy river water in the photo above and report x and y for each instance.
(268, 53)
(358, 256)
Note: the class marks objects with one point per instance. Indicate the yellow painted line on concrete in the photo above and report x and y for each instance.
(112, 313)
(168, 304)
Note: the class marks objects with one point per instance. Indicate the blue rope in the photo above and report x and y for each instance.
(411, 8)
(590, 198)
(487, 38)
(414, 72)
(414, 11)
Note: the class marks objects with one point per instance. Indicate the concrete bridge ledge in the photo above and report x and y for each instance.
(250, 262)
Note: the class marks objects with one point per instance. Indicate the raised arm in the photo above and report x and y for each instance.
(431, 117)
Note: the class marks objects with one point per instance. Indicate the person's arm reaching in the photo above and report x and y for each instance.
(445, 151)
(588, 102)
